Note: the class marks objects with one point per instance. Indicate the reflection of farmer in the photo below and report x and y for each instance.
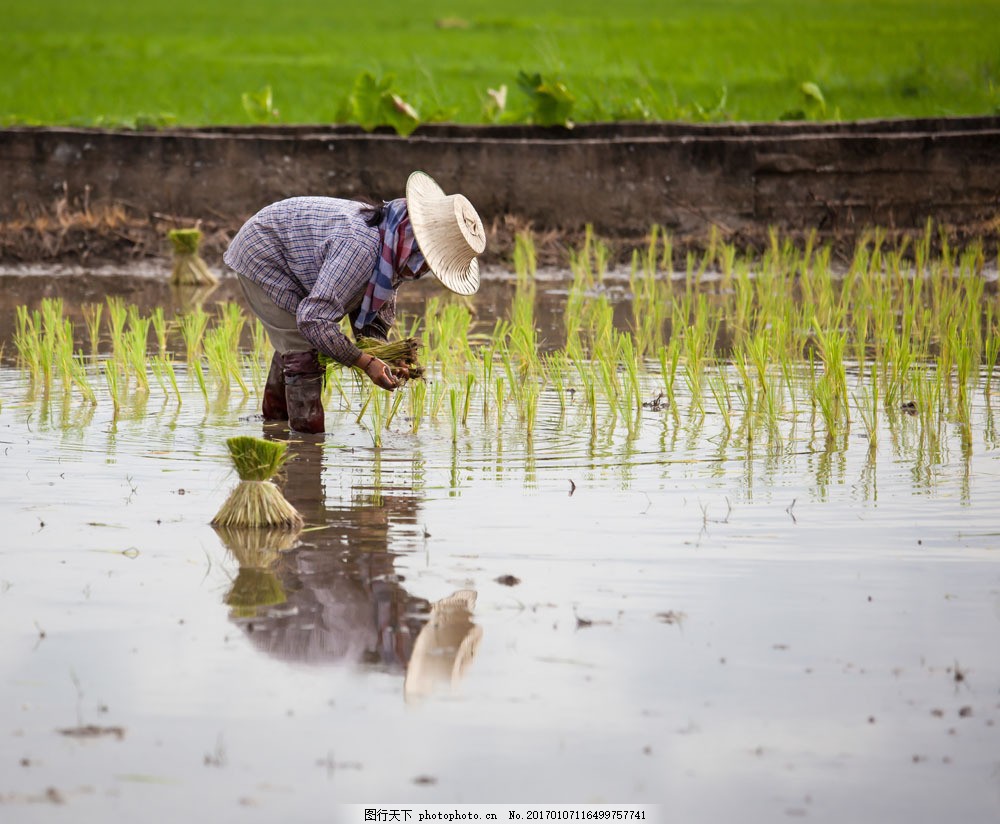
(343, 601)
(339, 596)
(341, 605)
(307, 262)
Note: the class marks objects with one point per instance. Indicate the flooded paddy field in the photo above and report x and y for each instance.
(747, 593)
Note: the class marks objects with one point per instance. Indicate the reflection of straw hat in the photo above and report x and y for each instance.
(448, 232)
(445, 647)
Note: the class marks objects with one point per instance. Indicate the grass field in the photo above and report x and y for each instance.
(197, 62)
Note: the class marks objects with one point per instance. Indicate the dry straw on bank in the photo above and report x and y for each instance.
(256, 502)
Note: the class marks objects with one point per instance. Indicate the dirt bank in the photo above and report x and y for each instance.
(89, 196)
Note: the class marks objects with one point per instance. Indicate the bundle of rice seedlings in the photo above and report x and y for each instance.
(403, 352)
(256, 502)
(189, 268)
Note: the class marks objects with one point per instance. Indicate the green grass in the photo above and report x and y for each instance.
(126, 63)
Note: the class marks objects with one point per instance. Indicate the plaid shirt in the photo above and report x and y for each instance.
(313, 256)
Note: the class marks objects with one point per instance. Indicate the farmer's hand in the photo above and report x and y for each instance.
(378, 371)
(400, 371)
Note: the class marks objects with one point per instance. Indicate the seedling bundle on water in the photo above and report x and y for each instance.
(256, 501)
(189, 268)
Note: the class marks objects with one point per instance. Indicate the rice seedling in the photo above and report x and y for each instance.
(787, 376)
(831, 349)
(117, 319)
(515, 379)
(378, 404)
(114, 383)
(256, 502)
(522, 337)
(368, 395)
(453, 408)
(92, 320)
(199, 374)
(499, 395)
(470, 382)
(589, 264)
(718, 384)
(40, 336)
(156, 367)
(727, 266)
(438, 395)
(223, 358)
(135, 341)
(166, 369)
(694, 364)
(631, 389)
(231, 320)
(669, 357)
(868, 408)
(555, 367)
(992, 349)
(531, 392)
(525, 257)
(27, 341)
(418, 402)
(76, 368)
(159, 321)
(193, 325)
(446, 328)
(649, 302)
(589, 383)
(397, 401)
(487, 373)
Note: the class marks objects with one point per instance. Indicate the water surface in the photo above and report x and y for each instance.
(732, 630)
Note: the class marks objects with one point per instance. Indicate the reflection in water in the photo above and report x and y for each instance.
(186, 297)
(258, 552)
(331, 594)
(445, 647)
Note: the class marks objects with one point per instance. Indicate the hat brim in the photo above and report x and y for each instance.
(420, 190)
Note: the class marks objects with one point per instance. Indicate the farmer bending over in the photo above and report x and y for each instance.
(307, 262)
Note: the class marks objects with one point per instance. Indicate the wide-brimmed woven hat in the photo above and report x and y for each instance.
(448, 232)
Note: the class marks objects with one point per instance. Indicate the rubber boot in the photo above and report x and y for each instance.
(274, 406)
(303, 391)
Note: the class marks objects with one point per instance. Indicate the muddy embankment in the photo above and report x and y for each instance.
(91, 196)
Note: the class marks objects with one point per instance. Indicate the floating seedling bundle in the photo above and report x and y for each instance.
(189, 268)
(256, 502)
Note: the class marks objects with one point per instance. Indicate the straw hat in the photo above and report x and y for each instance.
(448, 232)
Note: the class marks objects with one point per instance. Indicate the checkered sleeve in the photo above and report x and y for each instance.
(346, 269)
